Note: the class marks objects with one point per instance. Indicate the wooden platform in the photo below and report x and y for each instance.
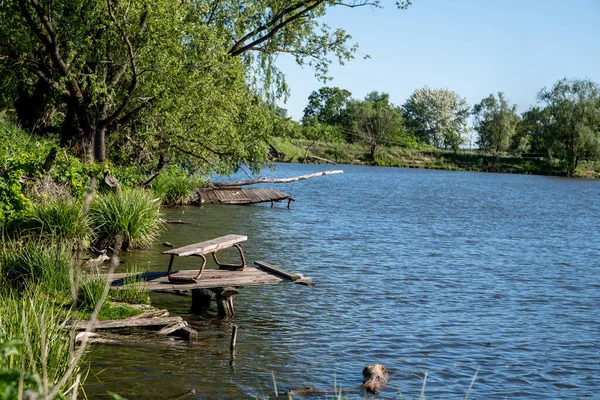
(211, 279)
(237, 195)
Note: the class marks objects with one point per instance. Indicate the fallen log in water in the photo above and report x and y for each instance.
(276, 180)
(375, 379)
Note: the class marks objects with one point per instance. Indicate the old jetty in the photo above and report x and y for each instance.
(237, 195)
(232, 192)
(224, 282)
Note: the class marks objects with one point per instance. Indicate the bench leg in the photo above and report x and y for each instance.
(231, 266)
(202, 267)
(170, 264)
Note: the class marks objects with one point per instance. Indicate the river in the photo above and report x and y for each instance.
(423, 271)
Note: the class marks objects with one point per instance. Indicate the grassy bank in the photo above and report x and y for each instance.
(294, 150)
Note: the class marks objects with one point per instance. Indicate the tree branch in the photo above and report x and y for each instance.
(50, 42)
(273, 26)
(134, 73)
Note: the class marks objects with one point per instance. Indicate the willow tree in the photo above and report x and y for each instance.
(158, 76)
(572, 128)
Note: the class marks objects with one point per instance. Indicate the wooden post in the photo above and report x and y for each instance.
(224, 299)
(233, 338)
(200, 300)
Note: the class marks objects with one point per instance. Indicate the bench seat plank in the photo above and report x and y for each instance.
(209, 246)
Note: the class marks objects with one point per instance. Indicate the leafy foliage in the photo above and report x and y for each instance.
(573, 126)
(496, 123)
(376, 120)
(175, 187)
(437, 116)
(327, 105)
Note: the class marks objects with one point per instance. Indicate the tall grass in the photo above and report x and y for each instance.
(34, 337)
(61, 219)
(134, 214)
(35, 263)
(176, 187)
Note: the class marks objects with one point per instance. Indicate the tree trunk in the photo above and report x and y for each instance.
(99, 144)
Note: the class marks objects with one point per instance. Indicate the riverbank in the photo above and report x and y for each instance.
(301, 150)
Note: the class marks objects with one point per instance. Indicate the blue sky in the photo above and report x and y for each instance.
(472, 47)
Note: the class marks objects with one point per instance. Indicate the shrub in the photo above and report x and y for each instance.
(133, 214)
(175, 187)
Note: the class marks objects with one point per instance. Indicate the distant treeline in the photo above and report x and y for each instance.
(563, 126)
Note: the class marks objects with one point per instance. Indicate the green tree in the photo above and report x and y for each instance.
(328, 105)
(102, 70)
(530, 136)
(496, 123)
(437, 116)
(376, 120)
(573, 126)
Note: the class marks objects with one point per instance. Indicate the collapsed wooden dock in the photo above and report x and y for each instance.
(237, 195)
(223, 283)
(211, 279)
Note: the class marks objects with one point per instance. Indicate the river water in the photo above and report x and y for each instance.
(423, 271)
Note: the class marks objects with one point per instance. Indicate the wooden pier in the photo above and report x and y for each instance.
(225, 284)
(211, 279)
(237, 195)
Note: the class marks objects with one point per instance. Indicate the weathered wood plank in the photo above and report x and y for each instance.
(169, 329)
(208, 246)
(242, 196)
(211, 278)
(278, 271)
(130, 323)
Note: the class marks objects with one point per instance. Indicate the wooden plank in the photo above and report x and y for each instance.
(167, 330)
(208, 246)
(278, 271)
(130, 323)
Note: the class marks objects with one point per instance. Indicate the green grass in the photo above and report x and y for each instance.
(175, 187)
(90, 292)
(34, 339)
(133, 214)
(134, 291)
(61, 219)
(425, 156)
(33, 262)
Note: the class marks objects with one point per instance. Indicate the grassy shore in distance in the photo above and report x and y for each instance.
(294, 150)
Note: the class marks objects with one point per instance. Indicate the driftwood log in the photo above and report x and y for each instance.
(375, 379)
(277, 180)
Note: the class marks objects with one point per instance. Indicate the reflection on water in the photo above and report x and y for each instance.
(417, 270)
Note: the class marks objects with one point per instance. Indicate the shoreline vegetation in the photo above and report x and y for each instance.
(306, 151)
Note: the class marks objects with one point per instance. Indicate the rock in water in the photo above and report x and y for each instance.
(376, 377)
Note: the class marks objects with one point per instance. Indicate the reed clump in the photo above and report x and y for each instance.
(62, 219)
(133, 214)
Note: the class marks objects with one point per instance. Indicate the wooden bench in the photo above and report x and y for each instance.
(200, 249)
